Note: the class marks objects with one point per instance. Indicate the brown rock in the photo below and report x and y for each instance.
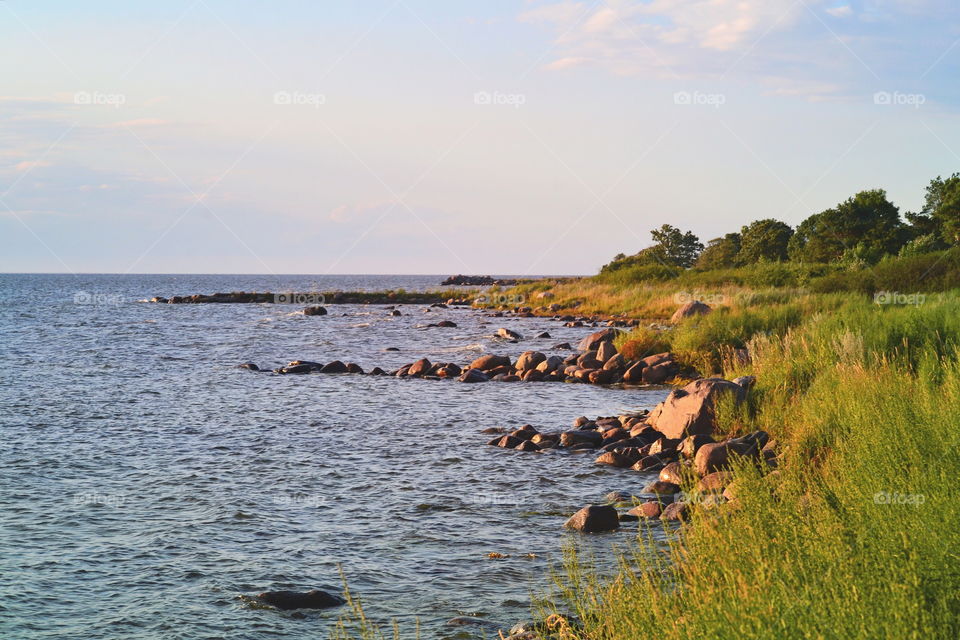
(672, 473)
(651, 509)
(490, 361)
(693, 308)
(473, 375)
(419, 368)
(616, 459)
(660, 487)
(634, 373)
(659, 373)
(529, 360)
(594, 519)
(570, 438)
(605, 351)
(593, 341)
(691, 444)
(690, 410)
(716, 481)
(507, 334)
(527, 445)
(600, 376)
(676, 512)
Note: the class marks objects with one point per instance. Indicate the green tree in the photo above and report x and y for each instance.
(720, 253)
(940, 216)
(764, 241)
(866, 219)
(674, 247)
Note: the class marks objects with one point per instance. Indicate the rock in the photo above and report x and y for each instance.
(449, 371)
(529, 360)
(618, 496)
(249, 365)
(450, 324)
(616, 459)
(614, 363)
(746, 382)
(571, 438)
(594, 519)
(648, 463)
(532, 376)
(693, 308)
(717, 456)
(288, 600)
(676, 511)
(507, 334)
(396, 312)
(605, 351)
(488, 362)
(671, 473)
(634, 374)
(691, 444)
(298, 368)
(563, 346)
(353, 367)
(690, 410)
(660, 487)
(334, 367)
(589, 360)
(377, 371)
(473, 375)
(581, 421)
(543, 336)
(651, 509)
(664, 446)
(315, 311)
(551, 364)
(658, 373)
(527, 445)
(419, 368)
(508, 442)
(716, 481)
(600, 376)
(593, 341)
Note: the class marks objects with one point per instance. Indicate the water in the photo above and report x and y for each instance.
(146, 483)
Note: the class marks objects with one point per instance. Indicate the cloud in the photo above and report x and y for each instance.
(352, 212)
(140, 122)
(27, 165)
(843, 11)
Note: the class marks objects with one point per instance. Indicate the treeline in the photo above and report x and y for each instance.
(860, 231)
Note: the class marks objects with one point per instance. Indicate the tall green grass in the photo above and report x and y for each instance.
(856, 535)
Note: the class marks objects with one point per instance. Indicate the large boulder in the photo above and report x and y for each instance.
(634, 374)
(659, 373)
(691, 410)
(693, 308)
(488, 362)
(719, 455)
(594, 340)
(550, 365)
(315, 311)
(594, 519)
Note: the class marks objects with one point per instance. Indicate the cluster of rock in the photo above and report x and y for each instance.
(677, 439)
(337, 297)
(461, 280)
(599, 363)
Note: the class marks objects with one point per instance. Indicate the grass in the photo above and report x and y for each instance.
(855, 536)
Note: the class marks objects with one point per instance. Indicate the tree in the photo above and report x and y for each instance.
(764, 241)
(674, 247)
(721, 253)
(866, 219)
(940, 216)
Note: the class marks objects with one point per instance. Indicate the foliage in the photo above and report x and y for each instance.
(764, 241)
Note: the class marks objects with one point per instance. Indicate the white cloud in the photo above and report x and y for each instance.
(843, 11)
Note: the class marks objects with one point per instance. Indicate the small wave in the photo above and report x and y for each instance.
(360, 325)
(469, 347)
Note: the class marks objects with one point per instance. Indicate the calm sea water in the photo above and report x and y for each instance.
(146, 483)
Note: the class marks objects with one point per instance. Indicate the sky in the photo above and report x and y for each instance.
(529, 137)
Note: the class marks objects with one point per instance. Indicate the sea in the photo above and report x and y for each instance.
(149, 486)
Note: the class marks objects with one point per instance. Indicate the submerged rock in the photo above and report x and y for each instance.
(288, 600)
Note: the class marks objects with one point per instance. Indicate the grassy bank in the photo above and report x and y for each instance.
(856, 535)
